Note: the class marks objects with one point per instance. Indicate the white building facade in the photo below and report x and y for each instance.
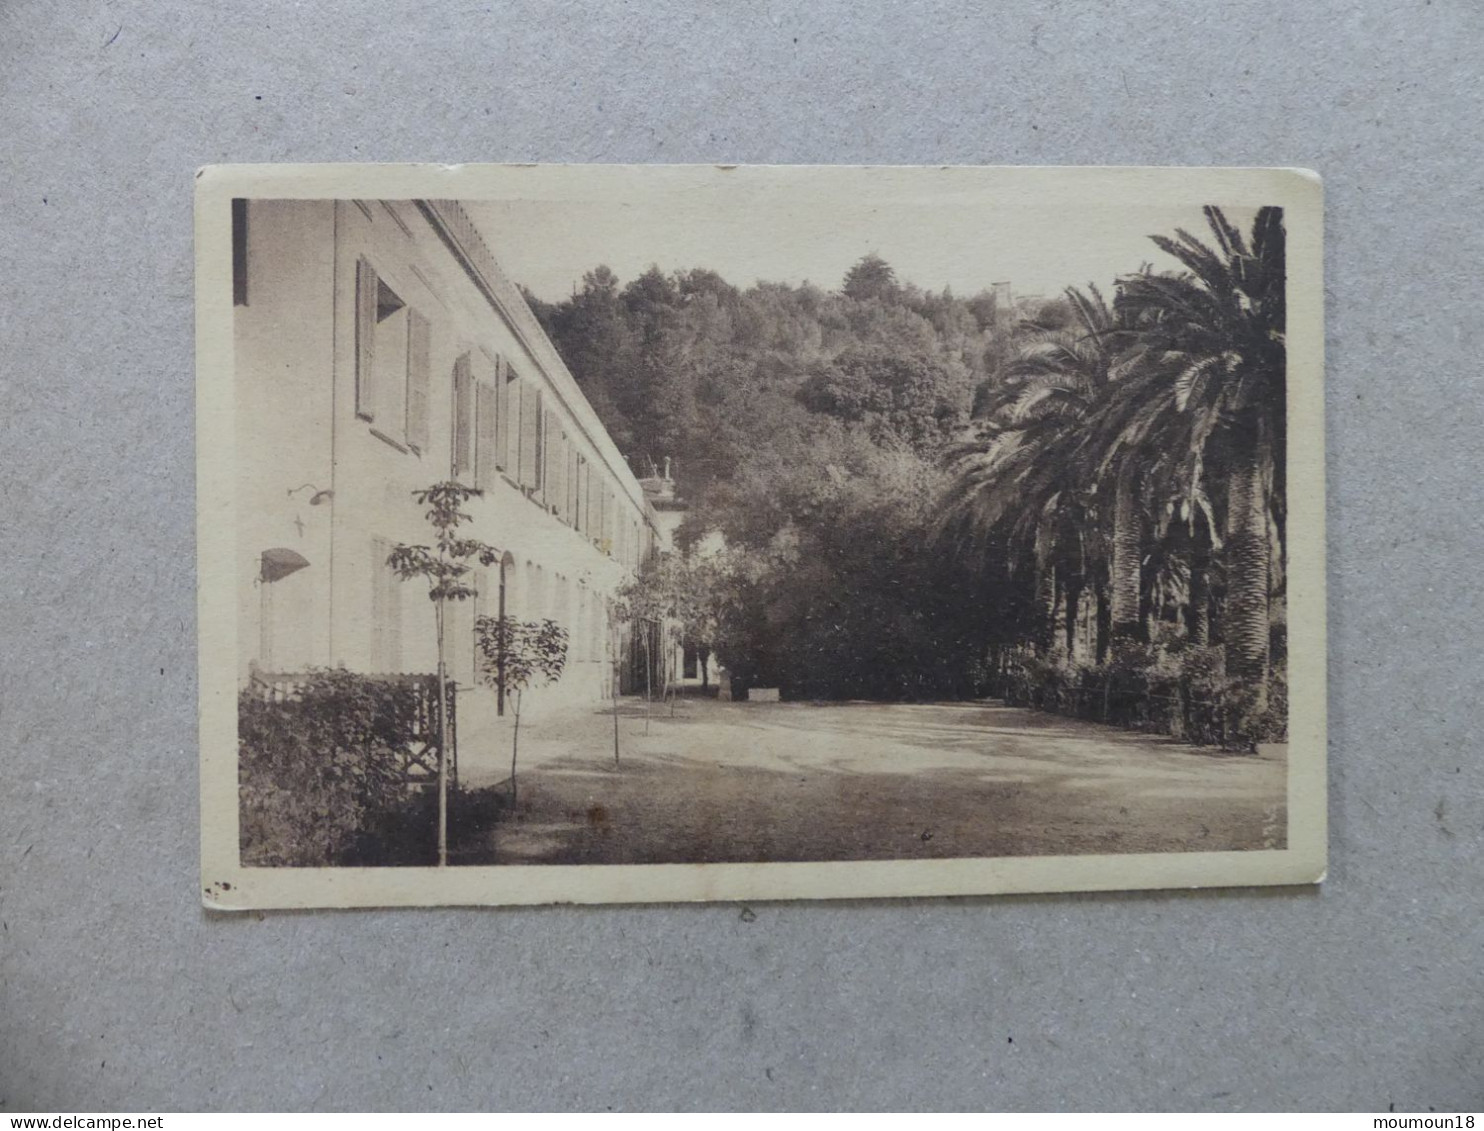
(379, 349)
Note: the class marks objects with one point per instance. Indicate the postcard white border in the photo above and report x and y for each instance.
(227, 885)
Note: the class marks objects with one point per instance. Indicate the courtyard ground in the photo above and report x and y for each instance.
(728, 782)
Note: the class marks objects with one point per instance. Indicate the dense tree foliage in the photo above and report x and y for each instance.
(1141, 458)
(922, 495)
(687, 366)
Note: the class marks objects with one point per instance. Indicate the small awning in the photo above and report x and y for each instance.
(280, 562)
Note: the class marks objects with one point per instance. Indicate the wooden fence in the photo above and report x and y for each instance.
(419, 760)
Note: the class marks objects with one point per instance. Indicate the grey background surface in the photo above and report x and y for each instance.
(118, 992)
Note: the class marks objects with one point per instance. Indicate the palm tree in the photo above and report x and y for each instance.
(1021, 480)
(1208, 383)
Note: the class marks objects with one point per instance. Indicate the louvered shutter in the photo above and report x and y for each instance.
(502, 412)
(538, 431)
(579, 508)
(572, 486)
(559, 470)
(463, 411)
(366, 293)
(418, 380)
(528, 431)
(486, 474)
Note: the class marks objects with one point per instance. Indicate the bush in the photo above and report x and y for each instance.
(1180, 692)
(1247, 723)
(402, 835)
(318, 770)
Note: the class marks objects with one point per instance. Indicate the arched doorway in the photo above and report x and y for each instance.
(284, 610)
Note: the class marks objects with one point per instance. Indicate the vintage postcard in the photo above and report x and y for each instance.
(647, 534)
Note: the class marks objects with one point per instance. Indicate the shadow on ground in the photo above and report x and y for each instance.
(724, 782)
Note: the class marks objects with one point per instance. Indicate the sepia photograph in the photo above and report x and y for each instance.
(626, 534)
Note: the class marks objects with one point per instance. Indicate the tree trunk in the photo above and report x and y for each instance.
(1074, 596)
(615, 728)
(1245, 622)
(1046, 607)
(648, 679)
(1104, 625)
(442, 746)
(1124, 580)
(1198, 608)
(514, 750)
(1148, 611)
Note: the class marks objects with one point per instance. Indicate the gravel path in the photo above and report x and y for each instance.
(797, 781)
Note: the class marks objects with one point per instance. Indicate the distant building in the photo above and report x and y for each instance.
(380, 349)
(686, 663)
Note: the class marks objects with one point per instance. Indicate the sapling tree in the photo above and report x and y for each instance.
(616, 614)
(675, 594)
(445, 567)
(644, 601)
(514, 656)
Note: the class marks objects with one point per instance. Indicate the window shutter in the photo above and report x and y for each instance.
(572, 486)
(579, 509)
(463, 462)
(538, 428)
(418, 379)
(517, 430)
(503, 377)
(528, 436)
(485, 472)
(558, 492)
(366, 294)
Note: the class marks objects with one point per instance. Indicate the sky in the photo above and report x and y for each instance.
(932, 239)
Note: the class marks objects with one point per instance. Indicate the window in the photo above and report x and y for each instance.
(528, 466)
(538, 424)
(513, 429)
(463, 418)
(550, 442)
(580, 511)
(419, 377)
(505, 389)
(556, 462)
(571, 485)
(239, 251)
(386, 611)
(286, 594)
(486, 412)
(392, 367)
